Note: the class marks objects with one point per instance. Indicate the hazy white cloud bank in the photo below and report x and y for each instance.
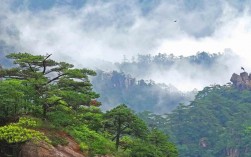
(186, 76)
(107, 30)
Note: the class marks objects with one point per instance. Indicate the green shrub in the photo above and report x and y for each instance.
(62, 116)
(12, 136)
(83, 147)
(15, 134)
(90, 116)
(58, 140)
(126, 142)
(123, 153)
(91, 140)
(29, 122)
(141, 148)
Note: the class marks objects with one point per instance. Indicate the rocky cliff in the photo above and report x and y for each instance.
(242, 81)
(30, 149)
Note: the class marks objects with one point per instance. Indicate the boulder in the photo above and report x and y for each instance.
(42, 149)
(242, 81)
(244, 76)
(236, 78)
(30, 149)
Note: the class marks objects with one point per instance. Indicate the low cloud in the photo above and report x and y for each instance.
(107, 30)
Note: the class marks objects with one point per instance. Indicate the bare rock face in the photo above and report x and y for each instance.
(30, 149)
(242, 81)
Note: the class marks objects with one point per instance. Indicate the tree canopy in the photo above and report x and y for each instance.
(122, 121)
(216, 123)
(53, 82)
(45, 100)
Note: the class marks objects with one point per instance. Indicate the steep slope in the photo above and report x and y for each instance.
(42, 149)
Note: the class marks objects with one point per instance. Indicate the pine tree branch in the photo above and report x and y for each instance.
(44, 61)
(56, 78)
(121, 131)
(31, 67)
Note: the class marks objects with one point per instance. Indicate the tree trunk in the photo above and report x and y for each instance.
(44, 111)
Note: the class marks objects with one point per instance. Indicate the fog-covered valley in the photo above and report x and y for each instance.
(135, 78)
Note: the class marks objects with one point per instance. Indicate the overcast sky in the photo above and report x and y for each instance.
(80, 30)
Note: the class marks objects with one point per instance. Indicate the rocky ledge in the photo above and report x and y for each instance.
(30, 149)
(242, 81)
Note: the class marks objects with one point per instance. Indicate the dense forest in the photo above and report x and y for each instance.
(140, 95)
(48, 104)
(133, 78)
(154, 82)
(162, 64)
(216, 123)
(163, 61)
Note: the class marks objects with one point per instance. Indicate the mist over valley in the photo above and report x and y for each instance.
(135, 78)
